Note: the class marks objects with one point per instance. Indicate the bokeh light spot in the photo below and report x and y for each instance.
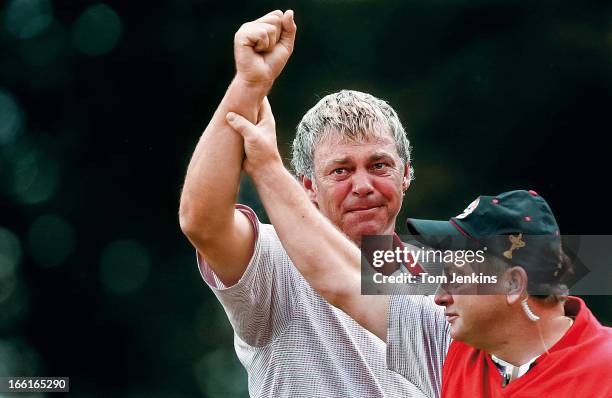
(27, 18)
(10, 252)
(36, 178)
(97, 30)
(14, 304)
(18, 358)
(7, 287)
(124, 267)
(219, 374)
(51, 240)
(10, 118)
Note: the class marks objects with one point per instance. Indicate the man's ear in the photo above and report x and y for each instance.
(515, 283)
(310, 188)
(406, 178)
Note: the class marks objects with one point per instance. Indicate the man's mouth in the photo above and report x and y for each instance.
(451, 316)
(363, 209)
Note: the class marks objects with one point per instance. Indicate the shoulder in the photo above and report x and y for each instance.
(601, 343)
(592, 348)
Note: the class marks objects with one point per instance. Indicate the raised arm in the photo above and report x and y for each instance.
(207, 215)
(323, 254)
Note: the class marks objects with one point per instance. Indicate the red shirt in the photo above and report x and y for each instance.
(579, 365)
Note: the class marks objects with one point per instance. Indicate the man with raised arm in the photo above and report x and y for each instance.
(291, 342)
(514, 334)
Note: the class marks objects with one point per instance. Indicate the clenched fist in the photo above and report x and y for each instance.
(262, 47)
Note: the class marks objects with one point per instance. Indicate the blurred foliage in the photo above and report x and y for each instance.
(101, 105)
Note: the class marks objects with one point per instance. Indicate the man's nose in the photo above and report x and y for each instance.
(362, 185)
(443, 297)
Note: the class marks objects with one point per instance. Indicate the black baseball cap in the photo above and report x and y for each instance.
(517, 226)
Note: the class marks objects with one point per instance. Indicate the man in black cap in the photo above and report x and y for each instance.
(518, 336)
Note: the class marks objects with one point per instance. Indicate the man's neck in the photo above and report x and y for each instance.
(527, 339)
(358, 240)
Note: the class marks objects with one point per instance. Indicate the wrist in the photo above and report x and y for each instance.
(269, 173)
(245, 98)
(260, 86)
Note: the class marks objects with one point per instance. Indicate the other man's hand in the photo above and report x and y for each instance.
(260, 145)
(263, 47)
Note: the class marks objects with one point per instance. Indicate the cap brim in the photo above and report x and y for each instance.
(437, 234)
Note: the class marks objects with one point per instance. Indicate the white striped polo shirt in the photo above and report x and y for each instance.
(418, 339)
(291, 341)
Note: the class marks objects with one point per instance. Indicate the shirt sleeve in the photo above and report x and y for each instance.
(417, 341)
(259, 306)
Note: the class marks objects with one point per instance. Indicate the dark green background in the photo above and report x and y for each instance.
(101, 105)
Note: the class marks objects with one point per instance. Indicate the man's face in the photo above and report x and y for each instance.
(474, 311)
(359, 185)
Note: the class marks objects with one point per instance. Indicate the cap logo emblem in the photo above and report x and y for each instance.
(516, 243)
(468, 210)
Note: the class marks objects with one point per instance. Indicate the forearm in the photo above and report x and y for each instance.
(323, 255)
(213, 175)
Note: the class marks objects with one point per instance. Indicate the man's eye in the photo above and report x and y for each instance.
(339, 171)
(379, 166)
